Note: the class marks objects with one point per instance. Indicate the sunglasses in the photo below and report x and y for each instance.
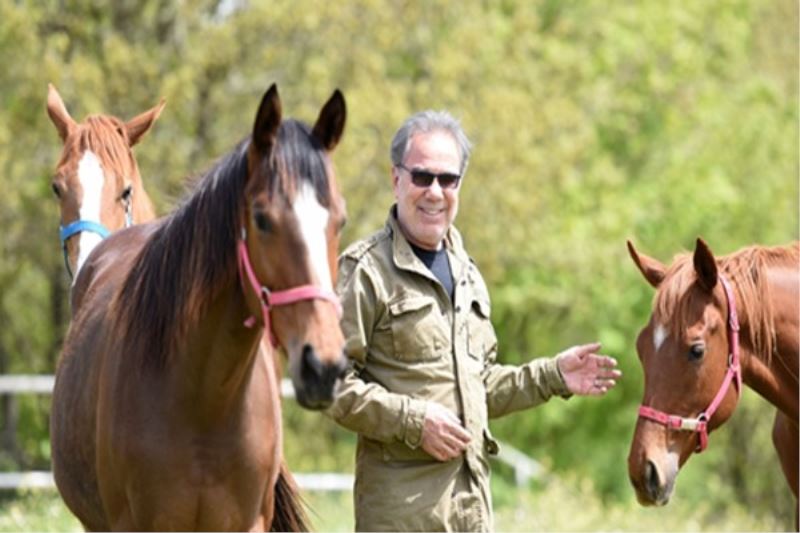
(424, 178)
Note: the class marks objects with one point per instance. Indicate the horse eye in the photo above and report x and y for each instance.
(126, 193)
(262, 222)
(696, 351)
(56, 190)
(341, 225)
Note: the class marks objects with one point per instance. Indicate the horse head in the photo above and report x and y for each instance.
(97, 180)
(684, 352)
(293, 215)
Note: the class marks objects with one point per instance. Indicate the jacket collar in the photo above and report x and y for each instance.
(405, 259)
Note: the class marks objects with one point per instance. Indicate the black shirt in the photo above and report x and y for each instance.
(439, 264)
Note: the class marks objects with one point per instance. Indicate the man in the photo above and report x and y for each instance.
(423, 380)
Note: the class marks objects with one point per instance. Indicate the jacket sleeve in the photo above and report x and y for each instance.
(361, 404)
(509, 388)
(512, 388)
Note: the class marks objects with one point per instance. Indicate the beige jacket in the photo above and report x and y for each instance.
(409, 344)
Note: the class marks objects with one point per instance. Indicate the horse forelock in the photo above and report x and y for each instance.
(298, 158)
(106, 137)
(746, 270)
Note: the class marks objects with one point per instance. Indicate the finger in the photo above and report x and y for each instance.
(609, 362)
(448, 452)
(452, 418)
(460, 434)
(601, 386)
(586, 349)
(610, 374)
(456, 445)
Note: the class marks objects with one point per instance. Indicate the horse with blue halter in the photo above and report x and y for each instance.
(97, 179)
(166, 414)
(717, 324)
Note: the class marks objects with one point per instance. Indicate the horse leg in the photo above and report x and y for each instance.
(785, 439)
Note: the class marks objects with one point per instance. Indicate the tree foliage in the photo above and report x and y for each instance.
(593, 123)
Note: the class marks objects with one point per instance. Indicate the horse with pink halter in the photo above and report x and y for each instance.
(93, 154)
(717, 323)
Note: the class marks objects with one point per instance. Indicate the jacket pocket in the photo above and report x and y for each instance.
(416, 332)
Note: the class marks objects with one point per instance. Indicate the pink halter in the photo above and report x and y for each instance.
(700, 424)
(270, 299)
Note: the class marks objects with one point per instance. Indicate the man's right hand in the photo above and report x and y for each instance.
(442, 434)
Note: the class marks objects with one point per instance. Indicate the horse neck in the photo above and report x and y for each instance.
(218, 355)
(223, 362)
(775, 375)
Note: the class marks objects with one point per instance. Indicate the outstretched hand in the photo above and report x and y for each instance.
(586, 372)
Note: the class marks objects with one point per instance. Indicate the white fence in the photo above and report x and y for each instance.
(524, 467)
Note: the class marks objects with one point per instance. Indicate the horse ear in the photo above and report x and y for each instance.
(138, 125)
(652, 270)
(705, 265)
(330, 123)
(58, 112)
(268, 119)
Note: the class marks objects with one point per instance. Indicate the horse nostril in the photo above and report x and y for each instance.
(651, 480)
(341, 367)
(311, 367)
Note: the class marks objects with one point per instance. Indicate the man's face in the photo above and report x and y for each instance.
(425, 213)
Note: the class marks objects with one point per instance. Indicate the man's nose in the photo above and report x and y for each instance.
(435, 189)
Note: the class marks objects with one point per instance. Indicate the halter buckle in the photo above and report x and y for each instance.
(265, 294)
(690, 424)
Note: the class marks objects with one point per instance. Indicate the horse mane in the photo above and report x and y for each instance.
(745, 269)
(107, 137)
(191, 256)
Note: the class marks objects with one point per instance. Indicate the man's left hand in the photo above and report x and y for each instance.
(587, 373)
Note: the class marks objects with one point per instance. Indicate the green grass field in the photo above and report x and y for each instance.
(560, 506)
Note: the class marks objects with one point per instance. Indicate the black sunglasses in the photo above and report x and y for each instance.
(424, 178)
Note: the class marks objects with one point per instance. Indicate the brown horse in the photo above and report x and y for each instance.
(165, 414)
(716, 323)
(100, 191)
(97, 179)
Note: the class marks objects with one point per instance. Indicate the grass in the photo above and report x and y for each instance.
(35, 510)
(573, 505)
(561, 505)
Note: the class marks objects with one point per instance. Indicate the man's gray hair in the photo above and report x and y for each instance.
(425, 122)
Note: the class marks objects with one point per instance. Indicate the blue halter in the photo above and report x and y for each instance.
(73, 228)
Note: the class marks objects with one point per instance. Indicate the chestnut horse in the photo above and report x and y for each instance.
(97, 180)
(165, 413)
(716, 323)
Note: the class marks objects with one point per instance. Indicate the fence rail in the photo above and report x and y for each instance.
(524, 467)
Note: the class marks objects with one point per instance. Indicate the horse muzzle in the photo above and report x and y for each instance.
(653, 478)
(315, 380)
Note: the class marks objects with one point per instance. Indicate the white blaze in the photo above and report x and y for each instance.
(659, 336)
(313, 219)
(90, 174)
